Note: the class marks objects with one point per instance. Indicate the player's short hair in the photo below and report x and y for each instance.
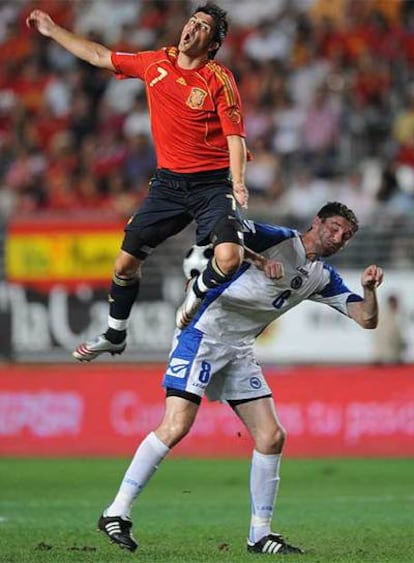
(221, 25)
(333, 208)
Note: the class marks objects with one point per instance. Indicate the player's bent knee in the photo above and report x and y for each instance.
(228, 257)
(127, 266)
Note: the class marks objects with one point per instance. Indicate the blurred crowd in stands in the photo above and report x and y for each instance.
(327, 89)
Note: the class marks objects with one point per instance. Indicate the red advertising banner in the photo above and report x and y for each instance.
(101, 409)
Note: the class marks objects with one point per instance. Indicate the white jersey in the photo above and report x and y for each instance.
(214, 355)
(240, 310)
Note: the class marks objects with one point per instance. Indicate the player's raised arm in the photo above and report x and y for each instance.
(89, 51)
(365, 312)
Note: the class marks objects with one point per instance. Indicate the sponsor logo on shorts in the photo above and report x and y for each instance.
(255, 383)
(178, 368)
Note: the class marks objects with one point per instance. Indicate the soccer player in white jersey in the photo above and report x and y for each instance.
(214, 356)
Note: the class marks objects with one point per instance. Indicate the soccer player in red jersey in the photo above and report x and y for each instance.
(199, 138)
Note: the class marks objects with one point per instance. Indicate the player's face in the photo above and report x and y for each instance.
(332, 234)
(196, 35)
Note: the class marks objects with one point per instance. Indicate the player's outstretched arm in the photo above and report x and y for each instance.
(365, 312)
(89, 51)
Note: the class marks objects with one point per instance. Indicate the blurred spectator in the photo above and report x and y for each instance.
(262, 173)
(270, 40)
(395, 196)
(99, 16)
(251, 13)
(320, 134)
(308, 77)
(120, 198)
(305, 194)
(137, 120)
(389, 341)
(287, 131)
(121, 95)
(139, 162)
(82, 120)
(58, 94)
(403, 126)
(351, 191)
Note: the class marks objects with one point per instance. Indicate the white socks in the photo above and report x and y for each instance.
(145, 462)
(264, 485)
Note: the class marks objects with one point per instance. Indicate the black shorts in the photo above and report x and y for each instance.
(173, 202)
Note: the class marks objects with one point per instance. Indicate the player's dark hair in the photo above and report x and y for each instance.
(221, 25)
(333, 208)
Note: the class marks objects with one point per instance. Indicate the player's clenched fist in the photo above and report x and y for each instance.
(273, 269)
(41, 21)
(372, 277)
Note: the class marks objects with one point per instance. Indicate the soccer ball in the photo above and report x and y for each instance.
(196, 260)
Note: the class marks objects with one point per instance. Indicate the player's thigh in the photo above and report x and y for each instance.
(241, 379)
(162, 214)
(217, 214)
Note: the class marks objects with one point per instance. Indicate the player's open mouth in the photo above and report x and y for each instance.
(187, 38)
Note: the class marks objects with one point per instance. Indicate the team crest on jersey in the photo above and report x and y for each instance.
(234, 115)
(296, 282)
(196, 98)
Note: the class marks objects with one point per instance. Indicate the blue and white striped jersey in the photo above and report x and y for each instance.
(242, 308)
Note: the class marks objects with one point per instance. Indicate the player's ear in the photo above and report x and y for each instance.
(214, 46)
(316, 222)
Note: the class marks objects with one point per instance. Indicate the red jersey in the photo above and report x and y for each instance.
(191, 111)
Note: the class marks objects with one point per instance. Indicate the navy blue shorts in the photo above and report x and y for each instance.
(173, 202)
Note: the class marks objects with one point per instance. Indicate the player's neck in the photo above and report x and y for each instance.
(310, 252)
(190, 63)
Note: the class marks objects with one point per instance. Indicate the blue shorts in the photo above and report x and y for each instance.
(173, 202)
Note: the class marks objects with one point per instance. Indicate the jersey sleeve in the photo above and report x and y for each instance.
(131, 65)
(259, 237)
(228, 103)
(335, 293)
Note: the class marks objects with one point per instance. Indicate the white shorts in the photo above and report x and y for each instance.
(200, 365)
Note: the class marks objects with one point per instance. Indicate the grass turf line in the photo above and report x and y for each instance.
(198, 510)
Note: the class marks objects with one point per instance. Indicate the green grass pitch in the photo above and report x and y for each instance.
(198, 510)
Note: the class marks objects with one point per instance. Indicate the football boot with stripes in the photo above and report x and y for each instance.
(91, 349)
(118, 531)
(272, 544)
(191, 304)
